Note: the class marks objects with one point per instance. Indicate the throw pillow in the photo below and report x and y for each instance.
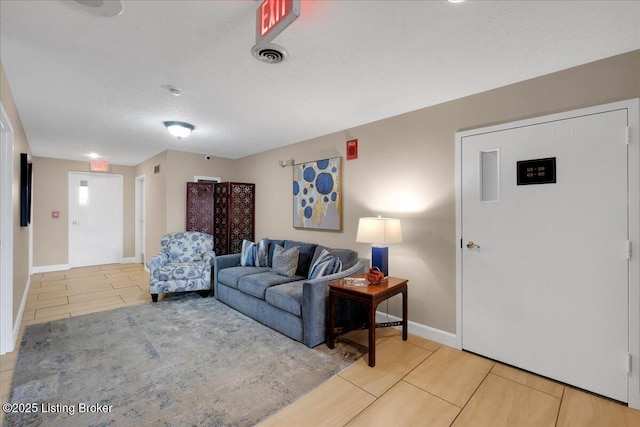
(285, 262)
(262, 253)
(307, 251)
(248, 253)
(325, 264)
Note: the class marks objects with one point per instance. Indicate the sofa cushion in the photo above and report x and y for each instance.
(257, 284)
(254, 254)
(248, 253)
(348, 257)
(271, 247)
(324, 265)
(285, 261)
(306, 254)
(287, 297)
(230, 276)
(262, 253)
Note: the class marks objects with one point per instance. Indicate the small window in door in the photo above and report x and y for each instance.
(83, 193)
(490, 175)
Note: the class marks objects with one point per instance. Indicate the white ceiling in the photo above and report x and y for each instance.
(94, 84)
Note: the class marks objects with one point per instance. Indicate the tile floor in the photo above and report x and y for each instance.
(414, 383)
(85, 290)
(422, 383)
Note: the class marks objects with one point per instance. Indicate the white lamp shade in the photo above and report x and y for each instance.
(379, 231)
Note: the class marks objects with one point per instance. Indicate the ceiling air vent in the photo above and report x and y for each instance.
(270, 53)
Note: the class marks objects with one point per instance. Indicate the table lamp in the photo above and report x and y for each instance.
(380, 232)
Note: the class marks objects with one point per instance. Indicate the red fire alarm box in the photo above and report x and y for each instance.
(352, 149)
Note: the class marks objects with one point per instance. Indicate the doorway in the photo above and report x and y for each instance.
(7, 341)
(95, 219)
(140, 228)
(548, 212)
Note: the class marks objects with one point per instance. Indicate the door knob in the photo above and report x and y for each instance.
(471, 245)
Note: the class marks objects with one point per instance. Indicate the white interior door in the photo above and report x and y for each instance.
(546, 286)
(95, 219)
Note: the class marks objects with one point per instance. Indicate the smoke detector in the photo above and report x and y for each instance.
(270, 53)
(105, 8)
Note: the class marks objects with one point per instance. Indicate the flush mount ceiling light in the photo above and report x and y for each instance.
(105, 8)
(179, 129)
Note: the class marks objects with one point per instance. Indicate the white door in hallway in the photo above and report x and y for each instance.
(95, 219)
(545, 272)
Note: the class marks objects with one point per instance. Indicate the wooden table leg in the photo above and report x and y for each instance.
(371, 311)
(332, 321)
(405, 314)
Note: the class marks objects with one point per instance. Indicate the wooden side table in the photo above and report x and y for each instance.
(371, 296)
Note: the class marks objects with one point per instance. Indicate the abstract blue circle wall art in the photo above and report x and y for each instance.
(317, 194)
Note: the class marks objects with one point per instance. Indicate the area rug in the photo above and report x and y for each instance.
(185, 360)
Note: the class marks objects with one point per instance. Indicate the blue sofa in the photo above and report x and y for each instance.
(295, 306)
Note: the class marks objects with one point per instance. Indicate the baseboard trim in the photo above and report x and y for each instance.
(62, 267)
(50, 268)
(424, 331)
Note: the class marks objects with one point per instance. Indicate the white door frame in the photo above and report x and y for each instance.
(7, 339)
(141, 220)
(198, 178)
(633, 107)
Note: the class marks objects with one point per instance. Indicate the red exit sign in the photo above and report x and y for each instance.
(273, 16)
(99, 166)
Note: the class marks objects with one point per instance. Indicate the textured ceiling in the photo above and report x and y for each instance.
(95, 84)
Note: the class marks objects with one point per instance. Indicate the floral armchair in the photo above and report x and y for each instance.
(183, 265)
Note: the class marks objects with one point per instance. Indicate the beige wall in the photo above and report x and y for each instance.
(166, 191)
(156, 201)
(51, 193)
(20, 234)
(405, 169)
(181, 168)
